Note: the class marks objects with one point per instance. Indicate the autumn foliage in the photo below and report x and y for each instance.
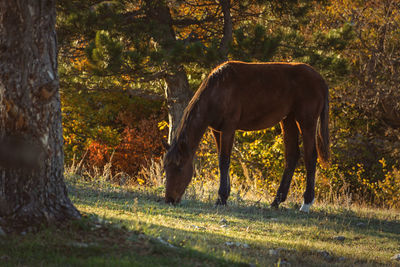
(139, 144)
(105, 69)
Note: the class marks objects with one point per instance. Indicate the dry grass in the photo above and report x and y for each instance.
(247, 231)
(336, 232)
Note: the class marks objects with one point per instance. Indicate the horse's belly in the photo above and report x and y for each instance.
(266, 120)
(256, 127)
(265, 109)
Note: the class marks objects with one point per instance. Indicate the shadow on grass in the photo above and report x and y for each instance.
(190, 209)
(248, 210)
(226, 245)
(87, 243)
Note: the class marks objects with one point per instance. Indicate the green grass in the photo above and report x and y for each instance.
(133, 227)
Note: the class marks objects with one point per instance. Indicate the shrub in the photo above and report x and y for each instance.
(139, 145)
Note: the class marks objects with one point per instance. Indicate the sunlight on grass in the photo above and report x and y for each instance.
(250, 232)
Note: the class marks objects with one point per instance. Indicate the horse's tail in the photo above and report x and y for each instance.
(323, 135)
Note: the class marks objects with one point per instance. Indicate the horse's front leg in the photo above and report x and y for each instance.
(292, 153)
(225, 149)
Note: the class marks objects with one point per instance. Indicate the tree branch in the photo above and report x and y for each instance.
(155, 76)
(187, 21)
(136, 92)
(133, 15)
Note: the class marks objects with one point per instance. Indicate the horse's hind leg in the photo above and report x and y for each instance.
(292, 153)
(310, 159)
(225, 148)
(217, 138)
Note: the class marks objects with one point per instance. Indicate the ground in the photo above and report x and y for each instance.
(134, 227)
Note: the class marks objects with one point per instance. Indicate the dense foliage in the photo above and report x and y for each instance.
(114, 57)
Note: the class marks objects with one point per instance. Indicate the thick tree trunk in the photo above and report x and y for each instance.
(178, 96)
(32, 189)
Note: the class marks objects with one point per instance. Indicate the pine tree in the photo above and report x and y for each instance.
(138, 42)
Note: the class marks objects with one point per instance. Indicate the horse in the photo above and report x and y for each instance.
(253, 96)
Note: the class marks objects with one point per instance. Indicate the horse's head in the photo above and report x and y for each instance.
(178, 168)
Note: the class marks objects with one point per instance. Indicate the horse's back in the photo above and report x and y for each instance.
(259, 95)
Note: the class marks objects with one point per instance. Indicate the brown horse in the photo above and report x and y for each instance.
(253, 96)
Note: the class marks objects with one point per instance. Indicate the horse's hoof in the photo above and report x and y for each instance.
(306, 207)
(220, 202)
(275, 205)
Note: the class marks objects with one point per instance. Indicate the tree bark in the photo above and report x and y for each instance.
(227, 37)
(32, 189)
(178, 95)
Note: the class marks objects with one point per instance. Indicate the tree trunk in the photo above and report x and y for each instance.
(177, 91)
(227, 37)
(178, 96)
(32, 189)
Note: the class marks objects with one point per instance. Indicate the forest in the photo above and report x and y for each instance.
(92, 92)
(128, 69)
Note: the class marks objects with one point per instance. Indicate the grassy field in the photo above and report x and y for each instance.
(133, 227)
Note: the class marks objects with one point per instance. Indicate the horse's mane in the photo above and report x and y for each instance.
(179, 145)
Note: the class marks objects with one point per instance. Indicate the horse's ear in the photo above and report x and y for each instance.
(165, 144)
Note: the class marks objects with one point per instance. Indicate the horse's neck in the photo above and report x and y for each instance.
(198, 132)
(195, 127)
